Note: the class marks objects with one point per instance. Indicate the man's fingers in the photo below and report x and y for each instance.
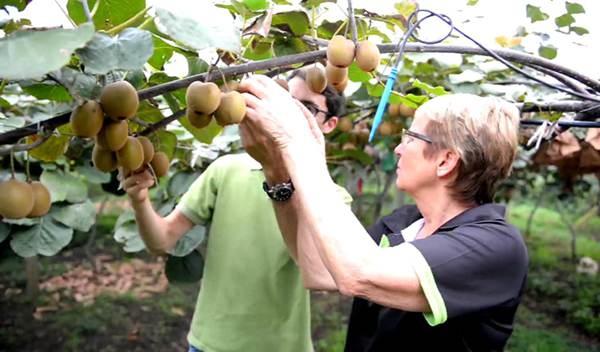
(251, 100)
(312, 121)
(254, 86)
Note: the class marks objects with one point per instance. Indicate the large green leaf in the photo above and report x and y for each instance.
(80, 216)
(189, 241)
(162, 52)
(564, 20)
(204, 135)
(84, 84)
(289, 45)
(128, 235)
(210, 27)
(295, 22)
(164, 141)
(46, 238)
(439, 90)
(93, 175)
(149, 112)
(128, 51)
(109, 13)
(256, 5)
(4, 231)
(574, 8)
(53, 92)
(31, 54)
(355, 74)
(51, 149)
(64, 186)
(185, 269)
(180, 182)
(536, 14)
(19, 4)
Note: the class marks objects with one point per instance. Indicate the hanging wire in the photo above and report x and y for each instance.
(412, 26)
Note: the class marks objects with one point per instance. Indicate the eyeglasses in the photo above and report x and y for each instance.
(314, 108)
(409, 133)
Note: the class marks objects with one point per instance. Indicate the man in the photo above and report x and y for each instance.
(446, 273)
(252, 296)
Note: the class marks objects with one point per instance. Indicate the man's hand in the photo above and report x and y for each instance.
(136, 186)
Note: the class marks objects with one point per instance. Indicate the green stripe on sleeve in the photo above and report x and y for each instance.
(438, 314)
(385, 241)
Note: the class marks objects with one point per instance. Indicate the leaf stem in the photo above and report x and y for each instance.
(116, 29)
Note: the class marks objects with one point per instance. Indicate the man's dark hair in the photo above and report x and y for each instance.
(336, 102)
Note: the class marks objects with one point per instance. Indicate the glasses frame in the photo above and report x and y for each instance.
(416, 135)
(312, 106)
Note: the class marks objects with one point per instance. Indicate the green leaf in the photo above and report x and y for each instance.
(19, 4)
(14, 25)
(210, 28)
(256, 5)
(472, 2)
(51, 149)
(289, 45)
(80, 216)
(93, 175)
(149, 112)
(189, 241)
(578, 30)
(186, 269)
(52, 92)
(128, 51)
(389, 162)
(574, 8)
(204, 135)
(180, 182)
(109, 14)
(162, 52)
(4, 231)
(549, 52)
(295, 22)
(46, 238)
(466, 76)
(32, 54)
(64, 186)
(196, 65)
(536, 14)
(4, 104)
(355, 74)
(564, 20)
(259, 50)
(405, 8)
(129, 236)
(313, 3)
(439, 90)
(11, 123)
(84, 84)
(164, 141)
(356, 154)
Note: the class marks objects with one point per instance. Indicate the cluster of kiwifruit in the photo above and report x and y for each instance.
(114, 146)
(341, 52)
(205, 100)
(24, 199)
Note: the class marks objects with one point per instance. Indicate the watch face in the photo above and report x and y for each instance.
(283, 193)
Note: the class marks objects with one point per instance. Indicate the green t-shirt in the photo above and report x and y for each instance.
(252, 297)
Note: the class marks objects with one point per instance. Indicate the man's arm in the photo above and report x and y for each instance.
(158, 233)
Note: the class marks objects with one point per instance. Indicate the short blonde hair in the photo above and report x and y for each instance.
(484, 133)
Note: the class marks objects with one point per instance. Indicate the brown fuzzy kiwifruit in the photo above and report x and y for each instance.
(315, 79)
(148, 149)
(198, 120)
(406, 111)
(203, 98)
(119, 100)
(283, 83)
(131, 156)
(367, 56)
(340, 51)
(394, 110)
(41, 200)
(345, 125)
(386, 128)
(341, 86)
(334, 74)
(86, 119)
(104, 160)
(363, 135)
(160, 164)
(17, 199)
(113, 135)
(231, 110)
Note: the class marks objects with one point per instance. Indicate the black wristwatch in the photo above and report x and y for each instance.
(279, 192)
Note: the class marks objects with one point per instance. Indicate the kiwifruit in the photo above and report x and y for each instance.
(160, 164)
(131, 156)
(367, 56)
(348, 146)
(119, 100)
(344, 125)
(113, 135)
(148, 149)
(41, 200)
(406, 111)
(104, 159)
(363, 136)
(315, 78)
(386, 128)
(340, 51)
(394, 110)
(341, 86)
(198, 120)
(283, 83)
(17, 199)
(203, 98)
(86, 119)
(231, 110)
(334, 74)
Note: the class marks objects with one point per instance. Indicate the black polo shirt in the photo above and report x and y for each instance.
(479, 265)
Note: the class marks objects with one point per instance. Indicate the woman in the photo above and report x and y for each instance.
(447, 272)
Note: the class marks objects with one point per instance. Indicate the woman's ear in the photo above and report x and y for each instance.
(448, 163)
(330, 124)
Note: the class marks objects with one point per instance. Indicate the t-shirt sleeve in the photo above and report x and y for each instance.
(198, 203)
(470, 269)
